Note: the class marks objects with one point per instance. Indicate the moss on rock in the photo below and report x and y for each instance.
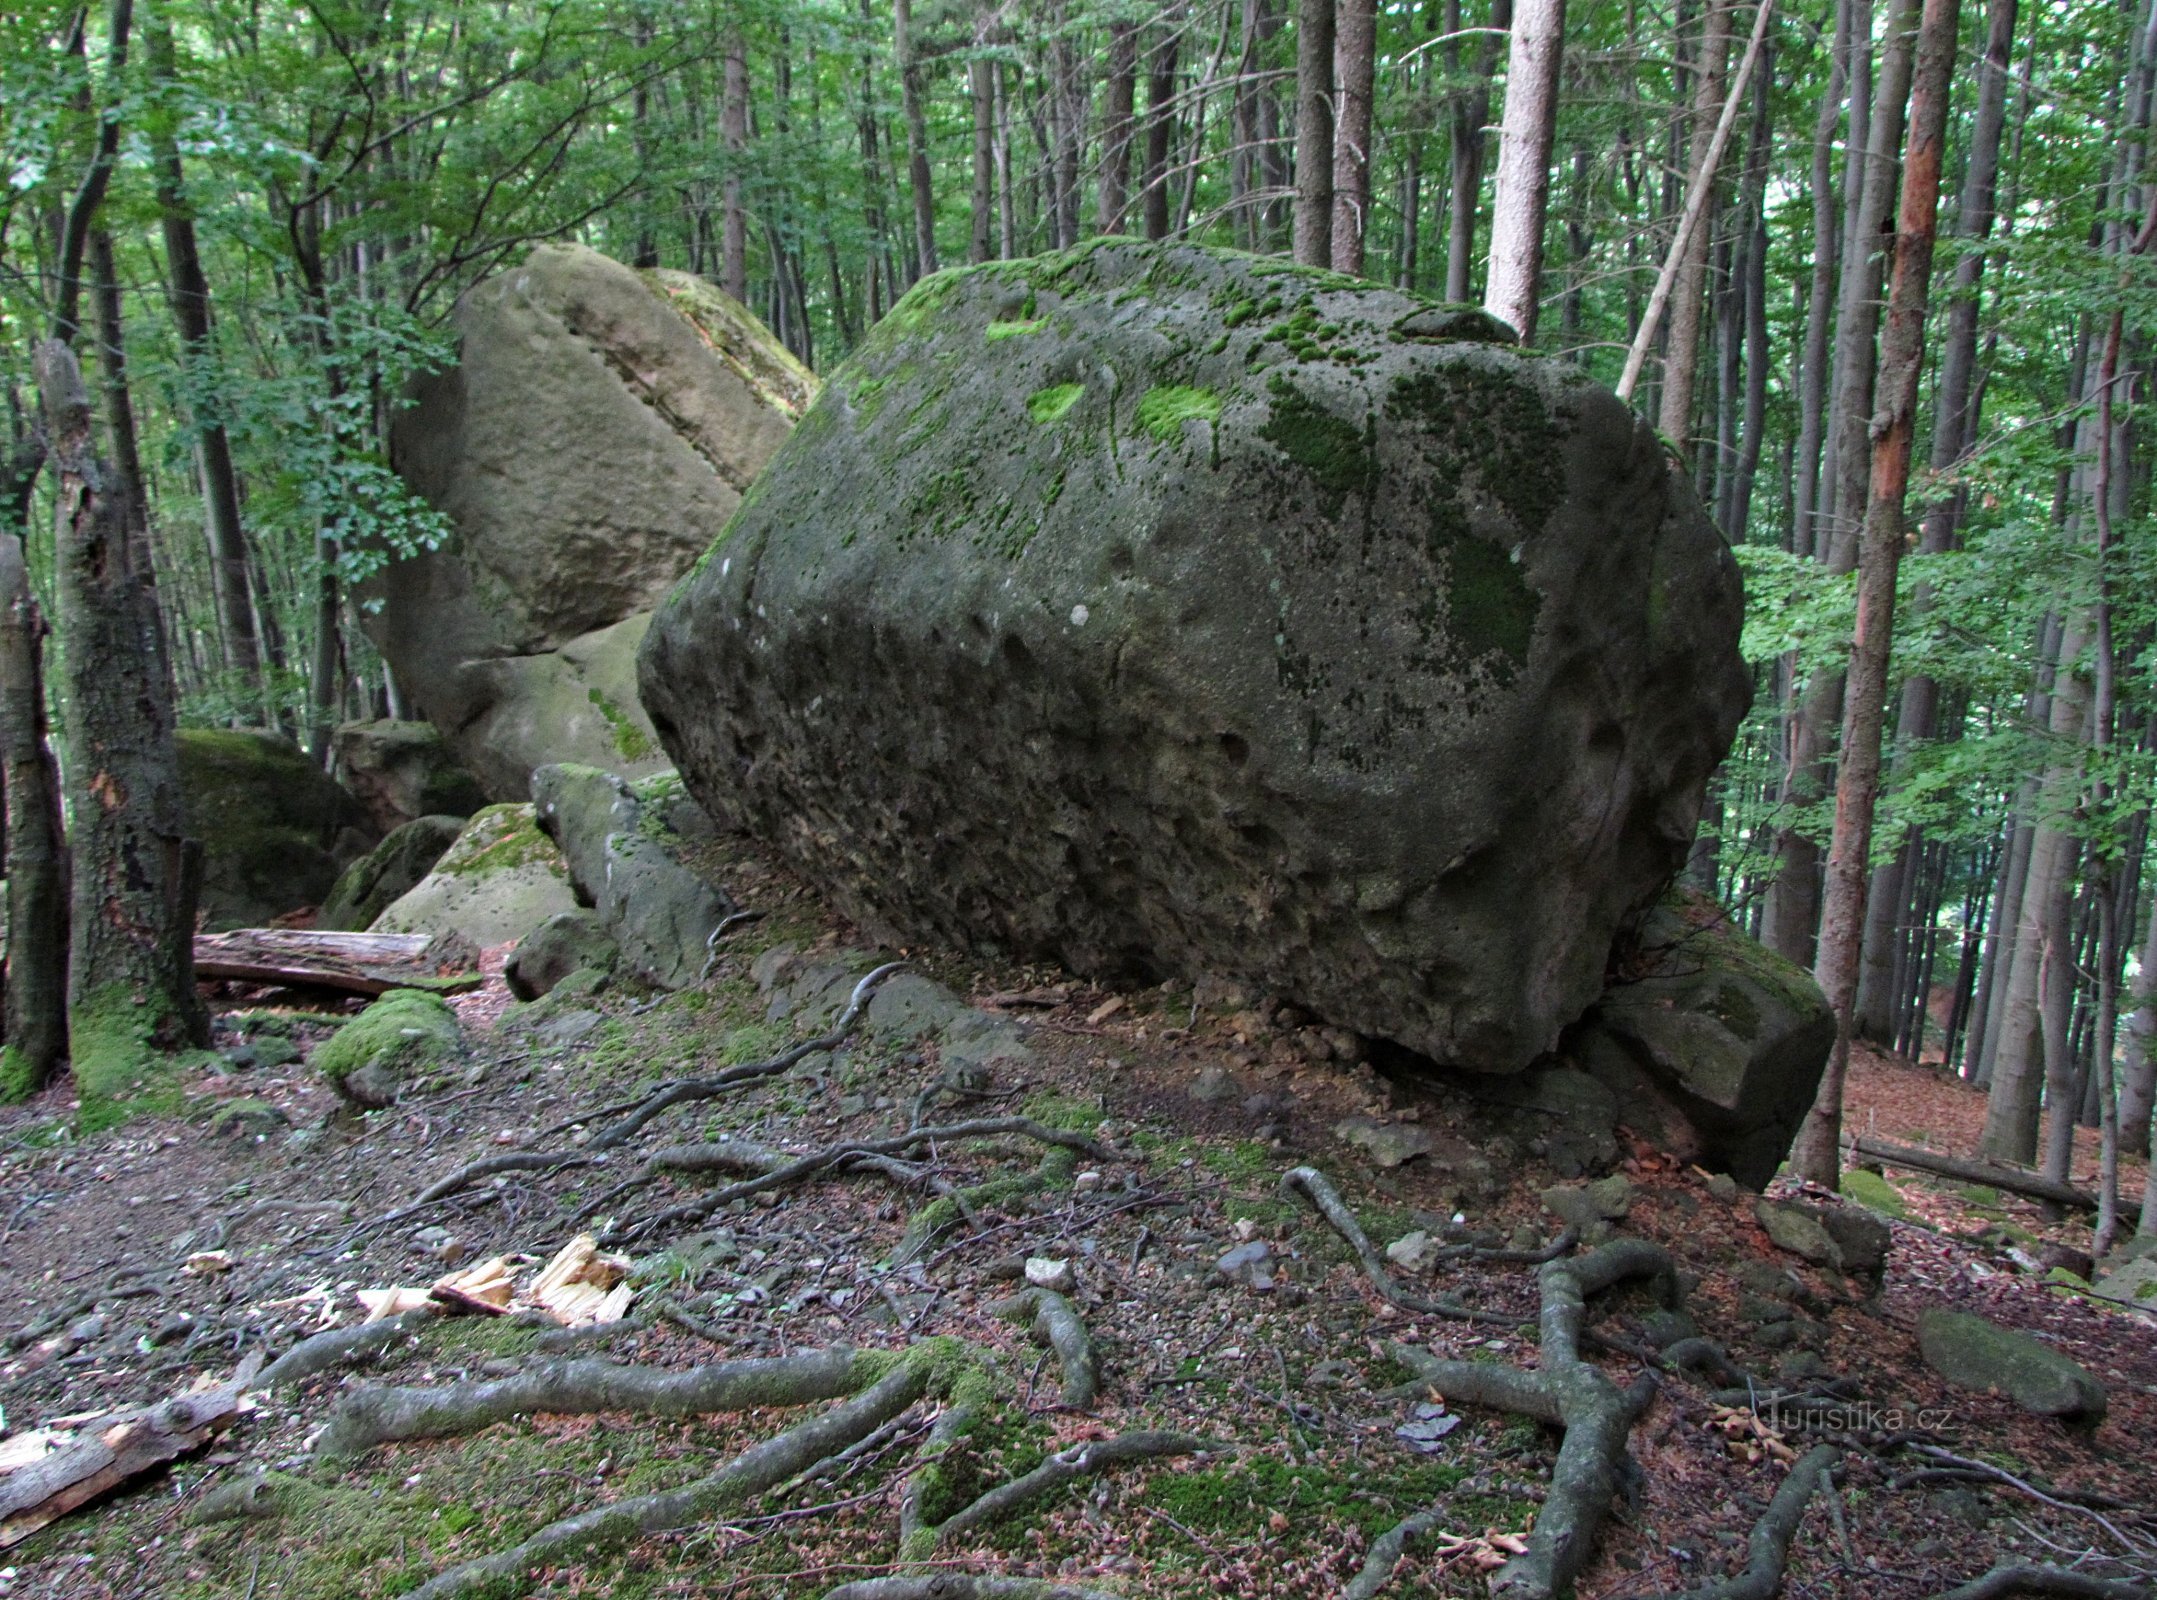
(403, 1038)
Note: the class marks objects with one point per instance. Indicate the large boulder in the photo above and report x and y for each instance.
(387, 873)
(624, 856)
(1972, 1353)
(1713, 1044)
(402, 1041)
(402, 771)
(275, 829)
(500, 880)
(597, 430)
(1159, 610)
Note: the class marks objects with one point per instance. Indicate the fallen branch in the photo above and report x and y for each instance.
(322, 1351)
(2015, 1180)
(1055, 1324)
(351, 963)
(123, 1447)
(2060, 1582)
(1768, 1546)
(1323, 1198)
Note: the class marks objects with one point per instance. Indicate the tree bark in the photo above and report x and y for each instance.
(1817, 1153)
(981, 93)
(1820, 298)
(131, 980)
(1521, 195)
(734, 139)
(36, 1038)
(1355, 57)
(1688, 297)
(82, 209)
(1113, 196)
(917, 136)
(1314, 132)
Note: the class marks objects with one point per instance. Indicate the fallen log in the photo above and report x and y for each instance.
(353, 963)
(2015, 1180)
(115, 1450)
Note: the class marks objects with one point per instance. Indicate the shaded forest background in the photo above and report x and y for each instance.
(251, 222)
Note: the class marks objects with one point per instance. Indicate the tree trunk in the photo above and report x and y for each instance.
(89, 196)
(917, 135)
(1820, 299)
(734, 138)
(2138, 1067)
(1314, 132)
(1817, 1153)
(1521, 194)
(1355, 56)
(1161, 119)
(1117, 95)
(131, 979)
(36, 1040)
(1681, 358)
(981, 93)
(191, 311)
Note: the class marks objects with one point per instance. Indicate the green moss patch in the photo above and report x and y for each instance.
(1051, 404)
(996, 332)
(1341, 458)
(633, 743)
(1167, 407)
(406, 1035)
(499, 839)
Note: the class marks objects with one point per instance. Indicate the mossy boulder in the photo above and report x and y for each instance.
(1158, 611)
(275, 829)
(1972, 1353)
(624, 860)
(567, 942)
(1713, 1043)
(401, 1041)
(386, 873)
(499, 880)
(402, 771)
(598, 428)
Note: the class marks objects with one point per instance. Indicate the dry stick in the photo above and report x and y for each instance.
(2002, 1582)
(963, 1586)
(575, 1387)
(2001, 1475)
(1768, 1546)
(1055, 1324)
(1312, 1185)
(852, 1153)
(755, 1470)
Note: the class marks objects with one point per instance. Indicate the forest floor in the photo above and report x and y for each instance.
(1279, 1365)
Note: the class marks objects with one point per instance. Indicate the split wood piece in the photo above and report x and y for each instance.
(843, 1156)
(2015, 1180)
(1053, 1322)
(1596, 1415)
(757, 1469)
(2049, 1583)
(583, 1286)
(964, 1586)
(1313, 1186)
(484, 1290)
(353, 963)
(384, 1415)
(123, 1447)
(1768, 1546)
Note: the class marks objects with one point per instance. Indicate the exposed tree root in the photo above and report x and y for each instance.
(739, 1155)
(383, 1415)
(1768, 1546)
(2002, 1582)
(1386, 1552)
(1055, 1324)
(1066, 1466)
(1313, 1187)
(339, 1345)
(1597, 1416)
(963, 1586)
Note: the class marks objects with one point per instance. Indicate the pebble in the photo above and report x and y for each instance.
(1051, 1272)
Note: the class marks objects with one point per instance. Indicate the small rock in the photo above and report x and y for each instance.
(248, 1119)
(1249, 1264)
(2134, 1281)
(568, 1028)
(1666, 1328)
(1086, 1182)
(1799, 1230)
(1051, 1272)
(1800, 1366)
(1389, 1144)
(1524, 1237)
(1413, 1252)
(1214, 1083)
(175, 1326)
(1424, 1431)
(1723, 1187)
(1612, 1197)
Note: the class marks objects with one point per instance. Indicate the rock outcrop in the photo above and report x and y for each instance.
(1712, 1043)
(387, 873)
(1972, 1353)
(1157, 610)
(275, 829)
(598, 429)
(501, 879)
(402, 771)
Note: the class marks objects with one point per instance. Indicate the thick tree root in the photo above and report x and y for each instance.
(761, 1467)
(569, 1388)
(852, 1154)
(963, 1586)
(340, 1345)
(1312, 1186)
(1055, 1324)
(2060, 1582)
(1597, 1416)
(1066, 1466)
(738, 1155)
(1768, 1546)
(1386, 1552)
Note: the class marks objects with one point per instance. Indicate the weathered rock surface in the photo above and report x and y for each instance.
(388, 872)
(275, 829)
(568, 941)
(402, 771)
(1712, 1043)
(598, 429)
(906, 1008)
(623, 859)
(500, 880)
(1972, 1353)
(403, 1039)
(1157, 610)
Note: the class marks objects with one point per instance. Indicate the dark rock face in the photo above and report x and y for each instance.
(569, 941)
(402, 771)
(1158, 610)
(388, 872)
(275, 829)
(1712, 1043)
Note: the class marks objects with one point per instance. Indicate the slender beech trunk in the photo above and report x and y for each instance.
(1752, 432)
(1355, 56)
(1688, 295)
(213, 448)
(1118, 92)
(2138, 1064)
(1817, 1153)
(734, 138)
(36, 1039)
(1314, 132)
(1820, 298)
(1471, 112)
(917, 135)
(89, 196)
(981, 92)
(1520, 196)
(1161, 119)
(136, 876)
